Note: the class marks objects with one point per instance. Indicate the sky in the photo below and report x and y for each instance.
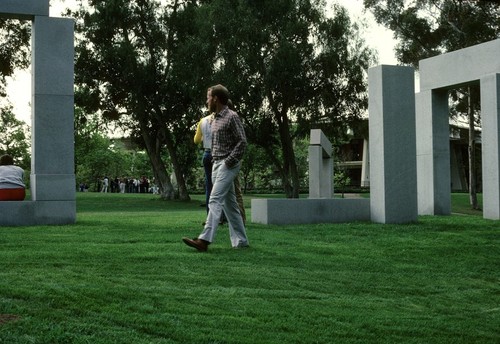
(376, 37)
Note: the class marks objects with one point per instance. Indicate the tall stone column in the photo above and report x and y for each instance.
(490, 116)
(433, 153)
(52, 161)
(393, 176)
(52, 132)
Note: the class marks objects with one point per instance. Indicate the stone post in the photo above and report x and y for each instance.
(320, 166)
(490, 116)
(53, 187)
(433, 153)
(393, 176)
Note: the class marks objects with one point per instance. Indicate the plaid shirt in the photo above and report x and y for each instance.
(228, 137)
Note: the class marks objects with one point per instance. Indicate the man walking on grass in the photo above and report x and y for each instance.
(228, 145)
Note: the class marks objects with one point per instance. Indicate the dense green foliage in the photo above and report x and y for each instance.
(122, 275)
(14, 48)
(14, 138)
(14, 54)
(97, 156)
(427, 28)
(291, 69)
(147, 65)
(137, 64)
(144, 66)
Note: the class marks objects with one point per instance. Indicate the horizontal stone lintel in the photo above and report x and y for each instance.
(23, 9)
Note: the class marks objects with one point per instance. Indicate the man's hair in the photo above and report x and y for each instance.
(6, 160)
(221, 92)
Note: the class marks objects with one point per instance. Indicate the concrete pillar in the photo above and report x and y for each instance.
(320, 166)
(365, 165)
(490, 116)
(433, 153)
(52, 161)
(393, 194)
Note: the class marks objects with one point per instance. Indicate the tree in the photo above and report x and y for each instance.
(97, 155)
(14, 48)
(426, 28)
(14, 138)
(290, 69)
(14, 53)
(142, 64)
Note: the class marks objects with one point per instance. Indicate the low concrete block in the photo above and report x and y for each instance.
(17, 213)
(31, 213)
(307, 211)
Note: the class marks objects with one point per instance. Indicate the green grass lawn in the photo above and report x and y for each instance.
(121, 274)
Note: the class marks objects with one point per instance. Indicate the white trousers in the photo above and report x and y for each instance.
(223, 196)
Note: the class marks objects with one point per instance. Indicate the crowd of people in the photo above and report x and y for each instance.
(123, 185)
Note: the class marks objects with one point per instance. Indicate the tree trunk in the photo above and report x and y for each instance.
(161, 177)
(289, 171)
(273, 156)
(472, 154)
(178, 171)
(290, 165)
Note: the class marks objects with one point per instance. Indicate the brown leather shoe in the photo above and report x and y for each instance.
(199, 244)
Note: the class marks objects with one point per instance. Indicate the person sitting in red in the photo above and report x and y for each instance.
(12, 187)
